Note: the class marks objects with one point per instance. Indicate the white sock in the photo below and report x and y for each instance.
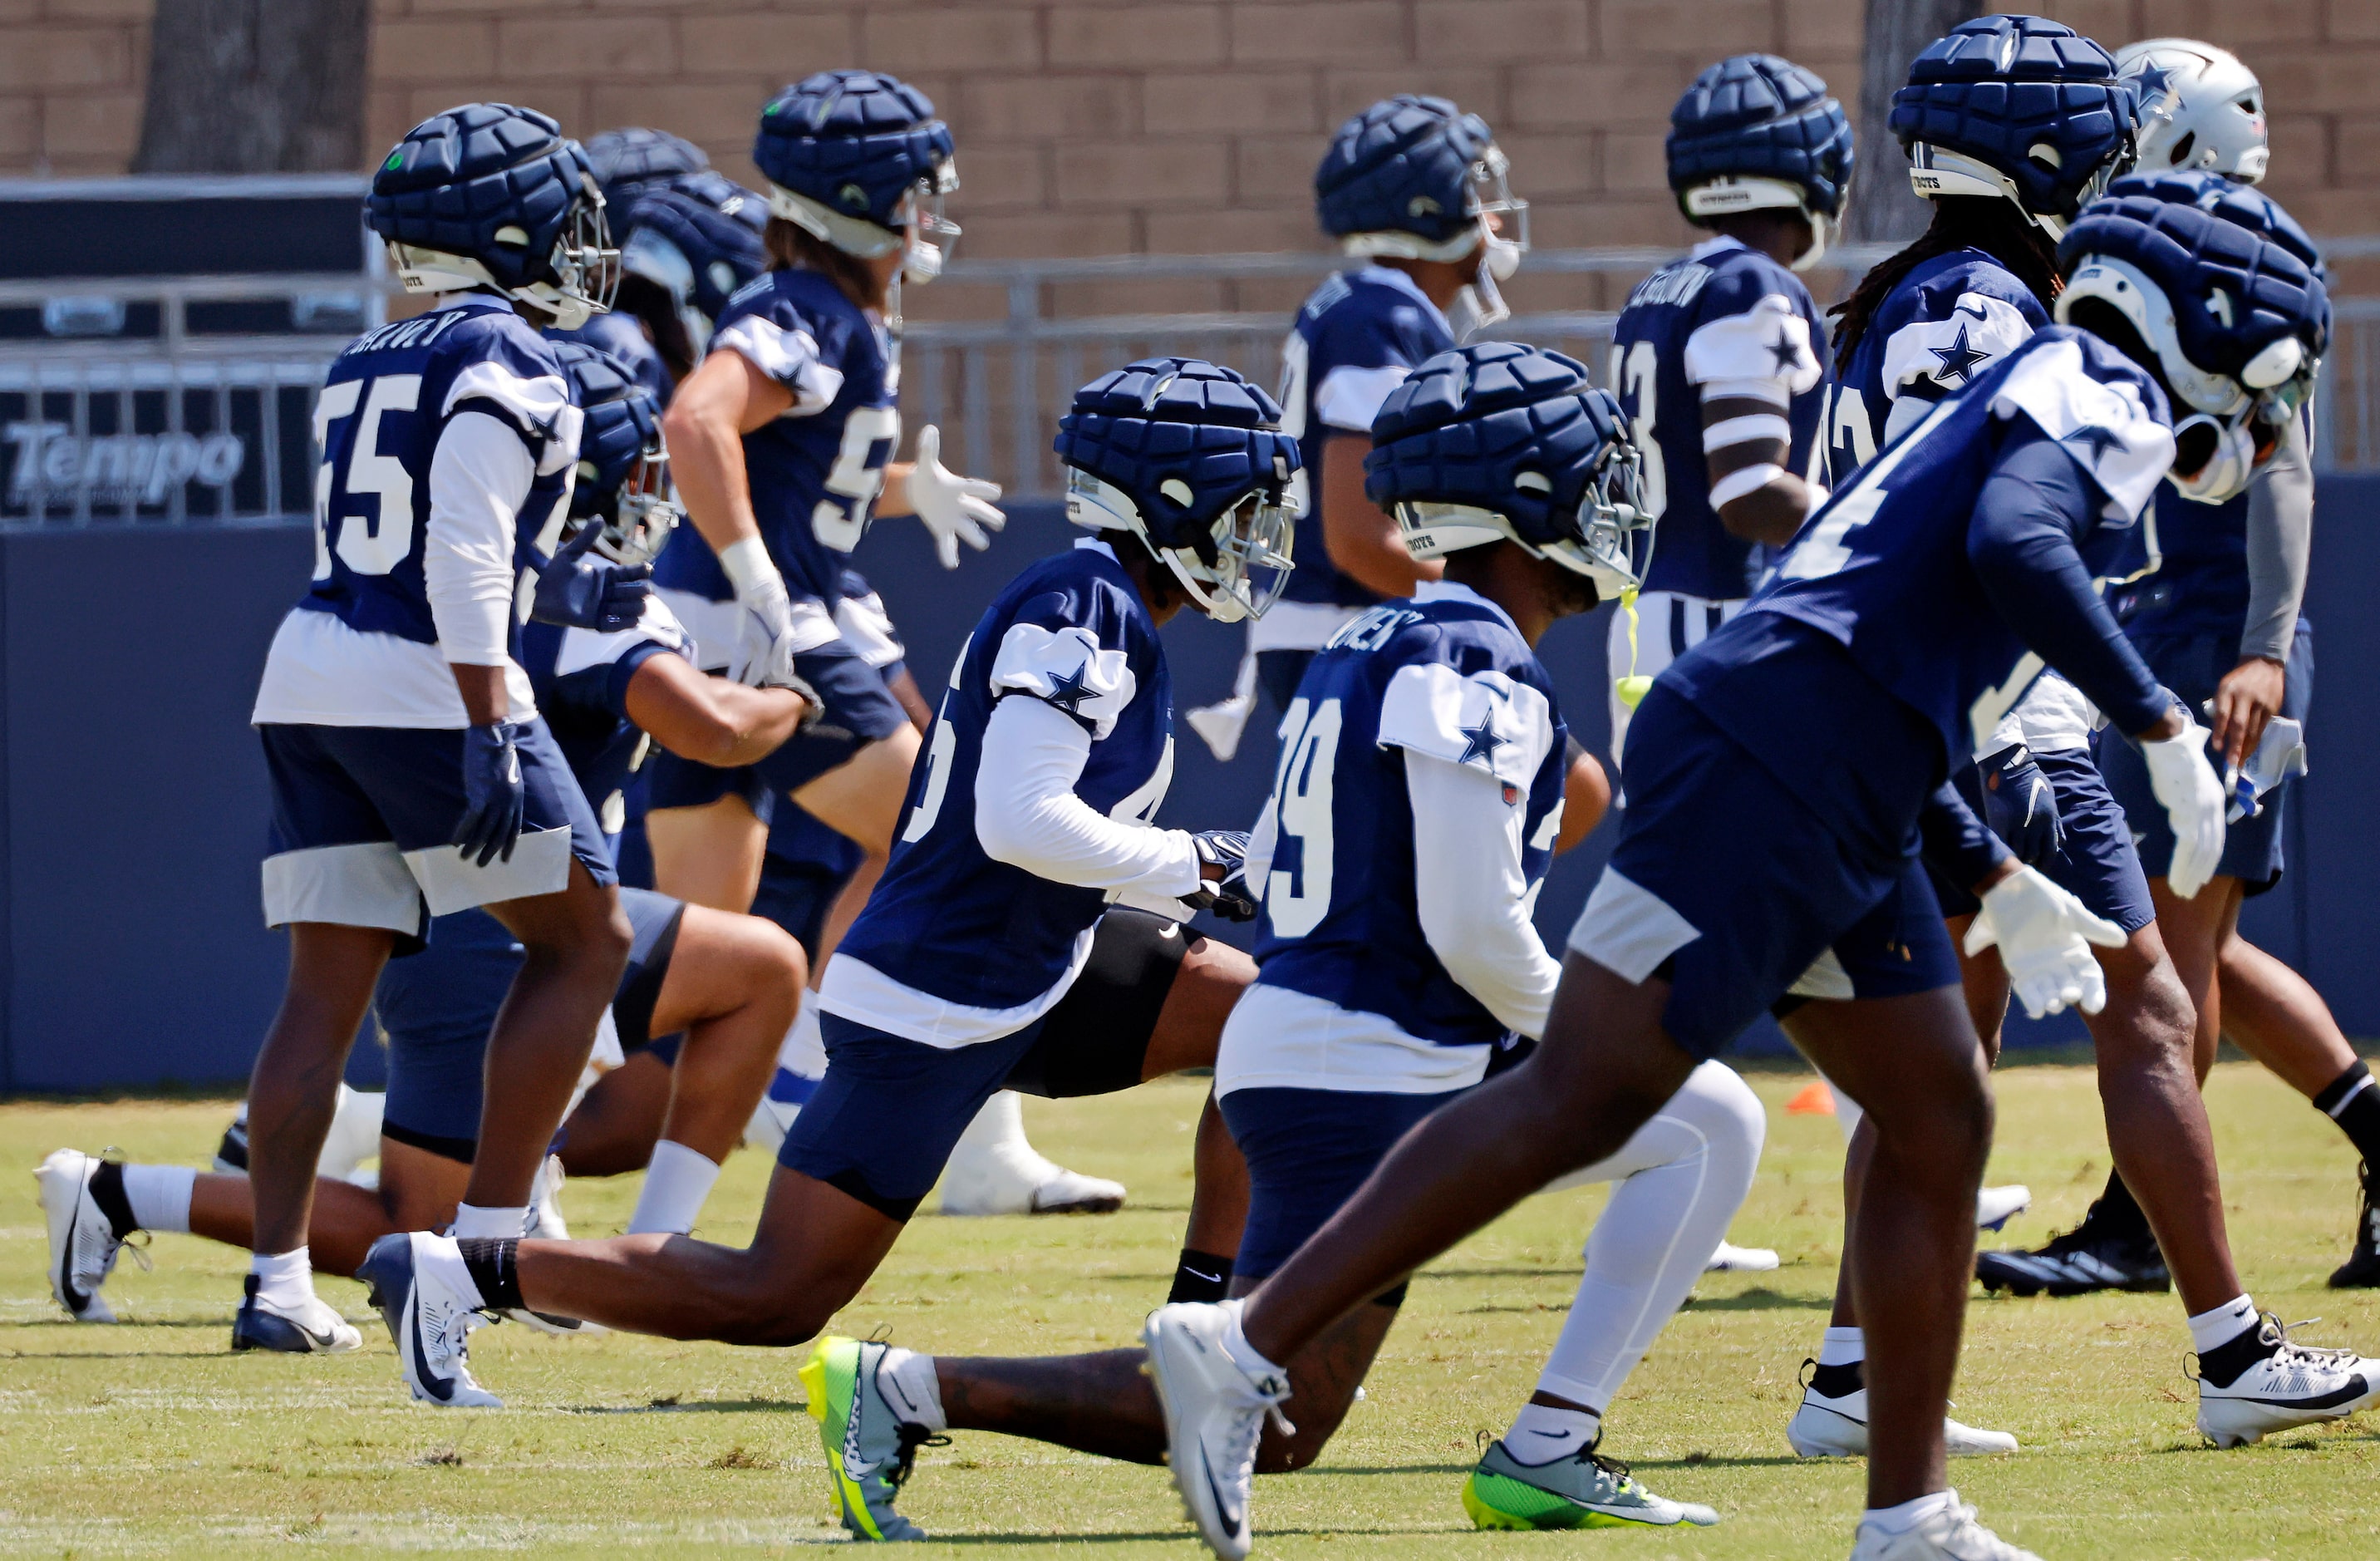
(159, 1196)
(1908, 1513)
(999, 1126)
(804, 1049)
(908, 1382)
(677, 1181)
(1677, 1182)
(1542, 1434)
(354, 1137)
(473, 1223)
(2208, 1330)
(1843, 1347)
(285, 1280)
(1244, 1354)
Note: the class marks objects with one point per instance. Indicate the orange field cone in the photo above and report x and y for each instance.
(1816, 1100)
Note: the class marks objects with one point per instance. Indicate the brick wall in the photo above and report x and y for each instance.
(1105, 125)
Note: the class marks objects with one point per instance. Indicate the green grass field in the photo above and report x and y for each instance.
(149, 1438)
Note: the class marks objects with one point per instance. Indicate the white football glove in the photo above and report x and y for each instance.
(2194, 801)
(954, 508)
(2044, 935)
(764, 619)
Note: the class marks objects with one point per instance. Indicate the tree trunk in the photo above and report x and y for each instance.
(255, 87)
(1897, 31)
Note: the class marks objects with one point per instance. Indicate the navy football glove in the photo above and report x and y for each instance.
(493, 793)
(2020, 805)
(577, 591)
(1228, 897)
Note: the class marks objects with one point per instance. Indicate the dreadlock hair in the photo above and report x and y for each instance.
(795, 248)
(1961, 222)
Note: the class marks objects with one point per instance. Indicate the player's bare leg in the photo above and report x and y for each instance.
(417, 1192)
(295, 1086)
(733, 985)
(577, 943)
(612, 1129)
(708, 854)
(861, 801)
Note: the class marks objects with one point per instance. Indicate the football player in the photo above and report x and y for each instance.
(1417, 190)
(992, 951)
(781, 441)
(2219, 623)
(712, 990)
(1416, 803)
(1777, 773)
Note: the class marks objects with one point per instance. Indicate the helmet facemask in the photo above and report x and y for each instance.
(1935, 171)
(1245, 558)
(641, 513)
(1497, 230)
(583, 264)
(1609, 541)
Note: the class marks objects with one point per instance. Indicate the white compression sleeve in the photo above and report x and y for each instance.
(2281, 546)
(479, 479)
(1026, 813)
(1471, 896)
(1681, 1177)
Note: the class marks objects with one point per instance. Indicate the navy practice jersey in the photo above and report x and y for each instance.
(1943, 326)
(623, 335)
(387, 401)
(1724, 312)
(815, 470)
(1353, 341)
(581, 678)
(946, 920)
(1448, 678)
(1884, 568)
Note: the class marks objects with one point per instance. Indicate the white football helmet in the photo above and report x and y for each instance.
(2200, 108)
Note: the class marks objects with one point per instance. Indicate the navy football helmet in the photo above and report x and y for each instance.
(2237, 321)
(489, 195)
(1190, 458)
(696, 251)
(2231, 201)
(623, 479)
(1757, 131)
(1507, 442)
(2019, 107)
(629, 159)
(857, 158)
(1416, 178)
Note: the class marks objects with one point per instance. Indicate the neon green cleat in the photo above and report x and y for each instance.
(869, 1450)
(1583, 1492)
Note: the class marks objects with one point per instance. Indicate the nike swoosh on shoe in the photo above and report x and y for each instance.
(1232, 1520)
(440, 1388)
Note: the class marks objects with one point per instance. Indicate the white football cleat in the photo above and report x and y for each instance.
(426, 1296)
(994, 1171)
(1837, 1428)
(313, 1328)
(1995, 1206)
(1953, 1535)
(83, 1243)
(1732, 1259)
(1214, 1414)
(2295, 1386)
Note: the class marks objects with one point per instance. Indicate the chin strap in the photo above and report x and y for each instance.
(1631, 687)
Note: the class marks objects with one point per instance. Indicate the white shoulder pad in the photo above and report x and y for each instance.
(1350, 398)
(2101, 423)
(1955, 352)
(1768, 342)
(1486, 719)
(866, 627)
(540, 403)
(1067, 669)
(791, 358)
(583, 648)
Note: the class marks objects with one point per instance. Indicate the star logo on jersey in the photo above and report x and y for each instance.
(2096, 440)
(1068, 691)
(1958, 360)
(1787, 352)
(1480, 741)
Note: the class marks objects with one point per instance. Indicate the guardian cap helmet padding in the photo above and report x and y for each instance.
(697, 249)
(1758, 131)
(629, 160)
(489, 195)
(2237, 322)
(2015, 106)
(1415, 178)
(856, 158)
(1502, 441)
(623, 478)
(2199, 107)
(1189, 457)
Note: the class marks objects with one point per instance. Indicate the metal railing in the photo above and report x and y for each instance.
(181, 423)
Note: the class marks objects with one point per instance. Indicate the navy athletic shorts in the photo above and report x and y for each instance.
(2191, 665)
(859, 710)
(433, 1012)
(890, 1110)
(1307, 1152)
